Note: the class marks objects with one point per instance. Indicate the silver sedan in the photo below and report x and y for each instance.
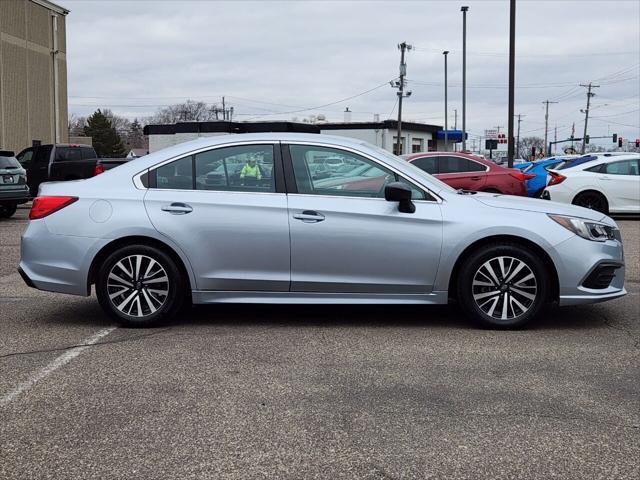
(247, 218)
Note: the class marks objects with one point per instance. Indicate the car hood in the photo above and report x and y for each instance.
(536, 205)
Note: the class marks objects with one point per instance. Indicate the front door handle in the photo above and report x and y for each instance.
(604, 177)
(177, 208)
(476, 178)
(309, 216)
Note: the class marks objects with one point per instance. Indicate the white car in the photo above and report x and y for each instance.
(608, 184)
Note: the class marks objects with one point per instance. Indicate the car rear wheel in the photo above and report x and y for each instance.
(593, 200)
(140, 286)
(7, 209)
(502, 286)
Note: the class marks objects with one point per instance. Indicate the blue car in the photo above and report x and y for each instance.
(536, 185)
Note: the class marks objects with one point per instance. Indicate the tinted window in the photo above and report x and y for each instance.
(67, 154)
(428, 164)
(9, 162)
(625, 167)
(42, 154)
(596, 169)
(88, 152)
(458, 165)
(247, 168)
(24, 157)
(359, 177)
(576, 161)
(176, 175)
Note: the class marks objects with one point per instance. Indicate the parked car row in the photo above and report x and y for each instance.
(22, 175)
(153, 234)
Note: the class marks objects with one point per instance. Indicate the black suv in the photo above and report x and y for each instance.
(61, 161)
(13, 184)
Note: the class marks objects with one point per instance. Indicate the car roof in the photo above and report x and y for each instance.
(412, 156)
(600, 160)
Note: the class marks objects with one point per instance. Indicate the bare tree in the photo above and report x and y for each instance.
(527, 144)
(189, 111)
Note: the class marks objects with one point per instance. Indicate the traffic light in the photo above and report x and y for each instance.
(637, 142)
(615, 137)
(586, 139)
(620, 139)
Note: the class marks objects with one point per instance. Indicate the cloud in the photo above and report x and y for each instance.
(136, 56)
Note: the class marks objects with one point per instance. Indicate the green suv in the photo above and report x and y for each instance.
(13, 184)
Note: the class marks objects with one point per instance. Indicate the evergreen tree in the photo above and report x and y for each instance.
(136, 135)
(106, 140)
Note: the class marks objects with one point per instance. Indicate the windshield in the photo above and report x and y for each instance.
(415, 171)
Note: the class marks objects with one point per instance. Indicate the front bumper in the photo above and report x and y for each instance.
(578, 262)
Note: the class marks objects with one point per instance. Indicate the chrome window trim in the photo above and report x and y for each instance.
(353, 197)
(138, 182)
(437, 198)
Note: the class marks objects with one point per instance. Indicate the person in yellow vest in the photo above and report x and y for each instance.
(250, 173)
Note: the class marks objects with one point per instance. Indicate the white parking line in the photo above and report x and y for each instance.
(53, 366)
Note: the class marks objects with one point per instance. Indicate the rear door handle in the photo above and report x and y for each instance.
(177, 208)
(604, 177)
(309, 216)
(476, 178)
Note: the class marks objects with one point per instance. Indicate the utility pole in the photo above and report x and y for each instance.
(464, 77)
(586, 112)
(400, 86)
(518, 139)
(546, 121)
(555, 138)
(455, 119)
(446, 107)
(512, 79)
(224, 110)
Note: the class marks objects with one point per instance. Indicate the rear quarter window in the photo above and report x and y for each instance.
(88, 152)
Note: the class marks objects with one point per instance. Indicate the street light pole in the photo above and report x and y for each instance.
(400, 86)
(464, 77)
(446, 120)
(512, 75)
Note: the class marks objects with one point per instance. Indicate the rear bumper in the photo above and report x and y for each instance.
(56, 263)
(15, 196)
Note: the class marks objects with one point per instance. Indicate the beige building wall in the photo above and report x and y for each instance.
(32, 45)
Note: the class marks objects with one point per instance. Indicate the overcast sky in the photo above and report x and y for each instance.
(269, 58)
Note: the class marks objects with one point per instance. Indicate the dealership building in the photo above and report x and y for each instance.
(33, 73)
(416, 137)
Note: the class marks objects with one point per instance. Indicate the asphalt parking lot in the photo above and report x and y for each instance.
(315, 392)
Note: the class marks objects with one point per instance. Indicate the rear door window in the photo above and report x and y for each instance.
(428, 164)
(42, 155)
(453, 164)
(625, 167)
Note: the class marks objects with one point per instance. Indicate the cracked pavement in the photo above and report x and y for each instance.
(372, 392)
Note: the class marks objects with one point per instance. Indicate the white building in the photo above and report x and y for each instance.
(416, 137)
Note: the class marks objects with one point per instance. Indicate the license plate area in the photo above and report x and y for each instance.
(8, 179)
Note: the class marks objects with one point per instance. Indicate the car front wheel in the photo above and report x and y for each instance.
(140, 286)
(502, 286)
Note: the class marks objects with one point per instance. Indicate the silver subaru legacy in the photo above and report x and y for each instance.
(256, 218)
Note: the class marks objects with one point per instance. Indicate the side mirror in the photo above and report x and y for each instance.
(401, 193)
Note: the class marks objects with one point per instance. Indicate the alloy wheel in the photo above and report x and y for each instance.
(504, 288)
(138, 285)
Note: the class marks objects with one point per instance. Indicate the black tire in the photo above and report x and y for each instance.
(510, 292)
(8, 209)
(593, 200)
(492, 190)
(538, 193)
(138, 310)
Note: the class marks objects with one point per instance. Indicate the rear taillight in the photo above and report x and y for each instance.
(555, 178)
(98, 170)
(43, 206)
(521, 176)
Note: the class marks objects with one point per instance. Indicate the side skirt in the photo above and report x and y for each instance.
(201, 297)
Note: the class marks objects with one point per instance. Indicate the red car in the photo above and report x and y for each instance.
(468, 172)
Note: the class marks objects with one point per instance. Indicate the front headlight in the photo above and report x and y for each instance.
(597, 232)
